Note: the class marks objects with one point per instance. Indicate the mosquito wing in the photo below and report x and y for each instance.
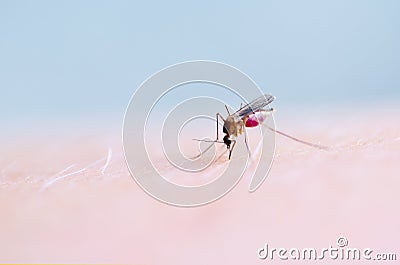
(253, 106)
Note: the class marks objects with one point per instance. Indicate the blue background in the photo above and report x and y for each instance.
(63, 59)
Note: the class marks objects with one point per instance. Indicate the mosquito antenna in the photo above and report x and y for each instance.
(298, 140)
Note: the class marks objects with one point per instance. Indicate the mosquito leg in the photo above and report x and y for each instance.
(246, 142)
(221, 155)
(298, 140)
(201, 153)
(227, 110)
(231, 149)
(219, 115)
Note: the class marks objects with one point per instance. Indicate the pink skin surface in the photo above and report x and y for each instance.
(67, 197)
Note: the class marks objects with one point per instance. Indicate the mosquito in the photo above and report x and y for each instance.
(248, 116)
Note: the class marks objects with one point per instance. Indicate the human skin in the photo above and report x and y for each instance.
(67, 197)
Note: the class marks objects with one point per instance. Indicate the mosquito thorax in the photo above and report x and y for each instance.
(230, 126)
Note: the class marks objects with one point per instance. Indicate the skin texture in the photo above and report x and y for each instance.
(67, 197)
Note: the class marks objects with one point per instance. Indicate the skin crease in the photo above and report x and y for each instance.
(67, 197)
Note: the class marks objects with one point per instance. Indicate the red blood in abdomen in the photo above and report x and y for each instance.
(251, 123)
